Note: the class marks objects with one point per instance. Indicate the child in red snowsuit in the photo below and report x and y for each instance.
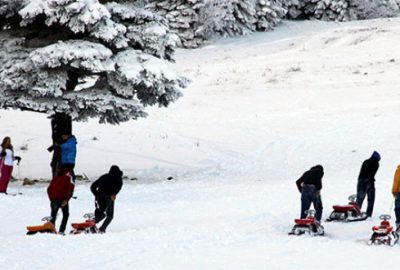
(60, 192)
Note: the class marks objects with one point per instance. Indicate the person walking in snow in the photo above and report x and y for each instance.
(7, 159)
(310, 185)
(366, 182)
(105, 190)
(396, 195)
(60, 191)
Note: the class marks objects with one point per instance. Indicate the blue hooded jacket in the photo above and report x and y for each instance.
(68, 151)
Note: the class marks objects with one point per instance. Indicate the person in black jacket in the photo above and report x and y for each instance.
(105, 190)
(310, 185)
(366, 182)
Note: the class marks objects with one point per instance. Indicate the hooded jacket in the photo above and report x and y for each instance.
(311, 177)
(108, 184)
(396, 182)
(369, 168)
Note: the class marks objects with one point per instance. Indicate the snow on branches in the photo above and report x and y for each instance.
(198, 20)
(341, 10)
(85, 58)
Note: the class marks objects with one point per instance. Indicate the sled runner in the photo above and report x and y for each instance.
(47, 227)
(347, 213)
(384, 233)
(307, 225)
(89, 226)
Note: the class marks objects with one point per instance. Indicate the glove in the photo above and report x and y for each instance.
(113, 197)
(3, 154)
(18, 159)
(64, 203)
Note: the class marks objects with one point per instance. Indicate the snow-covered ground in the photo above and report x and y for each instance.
(260, 111)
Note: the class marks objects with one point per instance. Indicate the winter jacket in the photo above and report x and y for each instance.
(369, 169)
(68, 151)
(108, 184)
(396, 182)
(311, 177)
(7, 156)
(61, 187)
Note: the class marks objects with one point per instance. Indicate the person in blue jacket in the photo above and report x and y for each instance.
(68, 153)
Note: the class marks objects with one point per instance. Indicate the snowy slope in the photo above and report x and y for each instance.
(260, 111)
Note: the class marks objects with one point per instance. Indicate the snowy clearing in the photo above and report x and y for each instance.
(259, 112)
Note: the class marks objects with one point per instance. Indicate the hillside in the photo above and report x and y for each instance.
(260, 111)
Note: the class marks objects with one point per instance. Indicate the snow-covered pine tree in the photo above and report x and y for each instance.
(341, 10)
(85, 59)
(183, 18)
(198, 20)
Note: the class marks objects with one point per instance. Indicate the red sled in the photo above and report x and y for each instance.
(307, 225)
(384, 233)
(89, 226)
(347, 213)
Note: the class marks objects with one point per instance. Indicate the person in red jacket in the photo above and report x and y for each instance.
(60, 191)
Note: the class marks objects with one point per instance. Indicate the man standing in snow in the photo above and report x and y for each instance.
(366, 182)
(60, 192)
(105, 190)
(310, 185)
(396, 195)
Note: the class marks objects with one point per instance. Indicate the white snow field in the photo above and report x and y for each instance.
(260, 111)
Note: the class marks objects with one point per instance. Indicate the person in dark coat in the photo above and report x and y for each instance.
(366, 182)
(105, 190)
(60, 192)
(310, 185)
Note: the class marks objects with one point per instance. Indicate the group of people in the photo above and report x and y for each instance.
(104, 189)
(62, 185)
(61, 188)
(310, 186)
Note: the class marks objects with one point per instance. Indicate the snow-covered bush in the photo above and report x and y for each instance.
(85, 59)
(198, 20)
(341, 10)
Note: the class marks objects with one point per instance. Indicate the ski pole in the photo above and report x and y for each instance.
(19, 178)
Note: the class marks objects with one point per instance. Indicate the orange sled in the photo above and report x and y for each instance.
(47, 227)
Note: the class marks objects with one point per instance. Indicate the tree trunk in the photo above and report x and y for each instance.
(61, 124)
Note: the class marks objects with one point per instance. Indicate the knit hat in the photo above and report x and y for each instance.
(376, 155)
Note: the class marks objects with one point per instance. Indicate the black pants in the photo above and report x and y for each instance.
(309, 195)
(104, 209)
(55, 205)
(366, 187)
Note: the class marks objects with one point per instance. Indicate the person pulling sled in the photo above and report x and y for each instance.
(366, 182)
(310, 186)
(105, 190)
(60, 191)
